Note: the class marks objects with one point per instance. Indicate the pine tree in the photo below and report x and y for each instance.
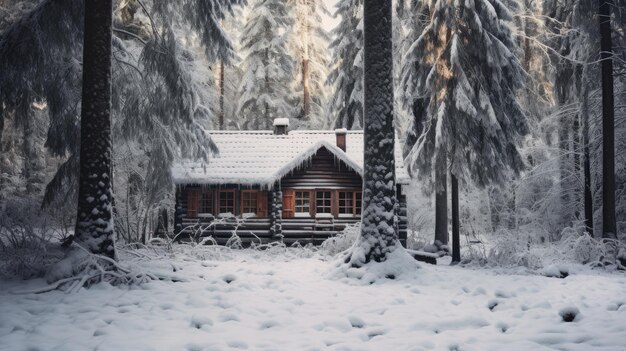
(469, 75)
(609, 226)
(378, 237)
(94, 223)
(416, 102)
(162, 95)
(346, 76)
(267, 65)
(309, 47)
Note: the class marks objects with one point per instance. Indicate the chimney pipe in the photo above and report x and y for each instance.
(341, 138)
(280, 126)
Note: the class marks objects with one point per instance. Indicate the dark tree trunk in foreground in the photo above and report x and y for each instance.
(456, 239)
(378, 230)
(94, 224)
(441, 199)
(609, 227)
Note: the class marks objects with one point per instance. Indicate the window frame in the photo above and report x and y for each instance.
(206, 195)
(330, 199)
(310, 200)
(254, 197)
(219, 201)
(345, 199)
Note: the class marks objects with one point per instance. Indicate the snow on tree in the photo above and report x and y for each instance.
(94, 223)
(267, 66)
(162, 90)
(378, 241)
(346, 75)
(308, 44)
(469, 75)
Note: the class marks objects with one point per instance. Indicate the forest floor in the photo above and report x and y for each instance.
(251, 300)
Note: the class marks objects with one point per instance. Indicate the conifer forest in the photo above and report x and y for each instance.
(313, 175)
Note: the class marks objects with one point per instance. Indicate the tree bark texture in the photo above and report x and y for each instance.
(588, 198)
(456, 238)
(94, 224)
(441, 199)
(222, 90)
(378, 229)
(609, 226)
(306, 96)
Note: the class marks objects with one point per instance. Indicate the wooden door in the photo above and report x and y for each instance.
(193, 202)
(261, 204)
(289, 203)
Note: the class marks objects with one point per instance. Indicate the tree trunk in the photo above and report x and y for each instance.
(577, 165)
(221, 115)
(378, 234)
(94, 224)
(306, 98)
(609, 226)
(587, 162)
(456, 239)
(441, 199)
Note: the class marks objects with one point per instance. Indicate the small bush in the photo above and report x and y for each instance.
(341, 242)
(28, 243)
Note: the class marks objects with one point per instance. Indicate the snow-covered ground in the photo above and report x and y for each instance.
(247, 300)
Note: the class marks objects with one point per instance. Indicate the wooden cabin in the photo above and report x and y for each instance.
(297, 186)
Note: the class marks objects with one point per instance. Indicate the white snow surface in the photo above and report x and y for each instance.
(251, 300)
(262, 158)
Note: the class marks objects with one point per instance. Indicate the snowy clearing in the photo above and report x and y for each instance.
(247, 300)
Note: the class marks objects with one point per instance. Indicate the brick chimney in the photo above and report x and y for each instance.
(280, 126)
(341, 138)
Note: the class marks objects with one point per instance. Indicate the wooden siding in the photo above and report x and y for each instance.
(323, 171)
(257, 230)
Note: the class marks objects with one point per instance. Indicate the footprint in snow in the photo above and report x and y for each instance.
(356, 322)
(229, 278)
(166, 306)
(229, 317)
(198, 322)
(376, 332)
(615, 306)
(238, 345)
(503, 327)
(504, 294)
(492, 304)
(268, 324)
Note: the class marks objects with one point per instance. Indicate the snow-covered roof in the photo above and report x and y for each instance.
(262, 158)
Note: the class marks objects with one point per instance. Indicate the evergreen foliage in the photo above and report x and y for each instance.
(468, 72)
(267, 66)
(346, 76)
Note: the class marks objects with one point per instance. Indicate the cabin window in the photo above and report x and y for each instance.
(249, 201)
(303, 202)
(346, 203)
(323, 202)
(206, 202)
(358, 200)
(227, 202)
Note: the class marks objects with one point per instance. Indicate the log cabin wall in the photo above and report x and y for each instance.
(323, 171)
(277, 222)
(190, 200)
